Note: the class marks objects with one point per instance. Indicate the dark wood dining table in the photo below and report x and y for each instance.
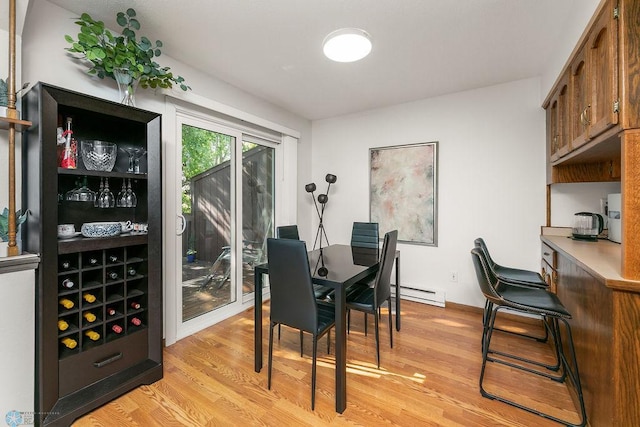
(338, 267)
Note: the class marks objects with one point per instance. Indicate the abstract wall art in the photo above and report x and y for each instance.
(403, 191)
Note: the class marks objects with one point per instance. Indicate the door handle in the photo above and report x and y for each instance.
(183, 226)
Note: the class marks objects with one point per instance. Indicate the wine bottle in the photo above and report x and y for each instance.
(135, 305)
(131, 271)
(116, 328)
(67, 283)
(135, 321)
(93, 335)
(66, 303)
(113, 275)
(93, 261)
(65, 264)
(63, 325)
(69, 342)
(89, 316)
(70, 150)
(89, 297)
(113, 258)
(111, 311)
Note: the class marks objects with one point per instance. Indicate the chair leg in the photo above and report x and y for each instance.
(574, 376)
(329, 341)
(375, 315)
(301, 342)
(390, 324)
(270, 354)
(279, 329)
(313, 372)
(348, 321)
(365, 324)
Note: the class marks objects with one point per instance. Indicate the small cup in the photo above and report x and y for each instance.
(127, 226)
(66, 229)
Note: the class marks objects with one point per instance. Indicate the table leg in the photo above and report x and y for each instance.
(257, 321)
(398, 292)
(341, 349)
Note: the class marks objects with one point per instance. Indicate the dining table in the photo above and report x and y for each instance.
(337, 267)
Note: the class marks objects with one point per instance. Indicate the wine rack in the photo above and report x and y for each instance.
(117, 279)
(99, 299)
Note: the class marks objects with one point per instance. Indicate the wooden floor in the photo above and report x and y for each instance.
(429, 378)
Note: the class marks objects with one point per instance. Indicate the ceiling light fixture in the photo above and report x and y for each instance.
(347, 45)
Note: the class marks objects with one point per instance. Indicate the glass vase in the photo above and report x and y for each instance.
(126, 86)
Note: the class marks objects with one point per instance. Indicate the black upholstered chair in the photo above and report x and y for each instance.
(287, 232)
(291, 232)
(293, 303)
(365, 235)
(362, 297)
(534, 301)
(509, 274)
(513, 276)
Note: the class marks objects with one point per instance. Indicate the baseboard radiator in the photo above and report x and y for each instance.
(426, 296)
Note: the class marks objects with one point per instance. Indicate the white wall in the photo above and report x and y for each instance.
(491, 178)
(17, 326)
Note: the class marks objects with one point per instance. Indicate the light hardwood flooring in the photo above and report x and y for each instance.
(429, 378)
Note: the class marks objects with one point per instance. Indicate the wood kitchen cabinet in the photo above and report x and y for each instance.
(558, 126)
(605, 311)
(593, 103)
(98, 299)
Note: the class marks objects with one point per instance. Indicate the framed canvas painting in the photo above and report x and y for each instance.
(403, 191)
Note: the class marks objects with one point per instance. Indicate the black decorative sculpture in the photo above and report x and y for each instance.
(322, 199)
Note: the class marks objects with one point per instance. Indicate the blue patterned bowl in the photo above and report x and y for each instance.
(101, 229)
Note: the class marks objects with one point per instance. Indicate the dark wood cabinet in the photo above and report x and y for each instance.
(99, 304)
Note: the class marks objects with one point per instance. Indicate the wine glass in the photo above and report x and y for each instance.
(106, 198)
(133, 153)
(121, 200)
(136, 160)
(97, 201)
(132, 199)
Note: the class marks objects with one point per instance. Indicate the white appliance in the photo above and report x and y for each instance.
(615, 217)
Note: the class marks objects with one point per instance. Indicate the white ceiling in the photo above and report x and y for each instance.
(421, 48)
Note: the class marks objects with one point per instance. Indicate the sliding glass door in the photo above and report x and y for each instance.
(227, 211)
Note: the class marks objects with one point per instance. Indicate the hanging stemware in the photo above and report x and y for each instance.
(121, 200)
(132, 199)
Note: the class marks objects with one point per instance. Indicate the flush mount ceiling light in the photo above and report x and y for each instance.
(347, 45)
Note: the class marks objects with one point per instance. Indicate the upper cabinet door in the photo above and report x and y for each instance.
(580, 99)
(559, 136)
(603, 72)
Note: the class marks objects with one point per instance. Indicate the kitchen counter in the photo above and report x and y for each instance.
(601, 259)
(605, 310)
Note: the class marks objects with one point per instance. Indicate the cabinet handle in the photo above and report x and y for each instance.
(110, 359)
(546, 254)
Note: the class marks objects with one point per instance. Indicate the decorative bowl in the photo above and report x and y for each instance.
(98, 155)
(101, 229)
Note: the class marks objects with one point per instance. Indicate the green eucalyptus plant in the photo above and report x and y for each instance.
(4, 223)
(107, 52)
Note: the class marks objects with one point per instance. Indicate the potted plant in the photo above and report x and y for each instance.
(4, 228)
(191, 255)
(124, 58)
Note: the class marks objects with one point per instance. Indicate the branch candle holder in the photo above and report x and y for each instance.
(322, 199)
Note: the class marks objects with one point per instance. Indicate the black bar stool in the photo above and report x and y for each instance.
(532, 301)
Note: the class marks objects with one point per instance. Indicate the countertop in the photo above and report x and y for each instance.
(601, 259)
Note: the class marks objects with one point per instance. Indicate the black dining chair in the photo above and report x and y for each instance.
(293, 303)
(365, 235)
(287, 232)
(362, 297)
(513, 276)
(291, 232)
(532, 301)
